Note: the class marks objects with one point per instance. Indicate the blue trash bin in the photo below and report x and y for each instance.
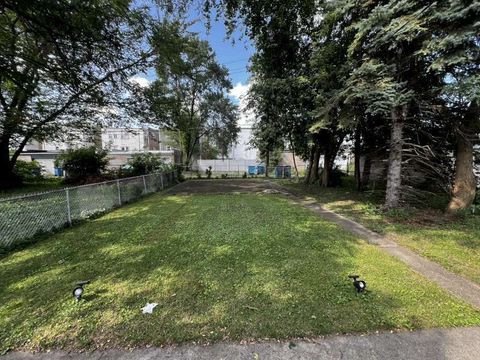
(58, 171)
(260, 170)
(287, 172)
(279, 172)
(252, 170)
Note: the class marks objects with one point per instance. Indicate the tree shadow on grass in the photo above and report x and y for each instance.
(223, 267)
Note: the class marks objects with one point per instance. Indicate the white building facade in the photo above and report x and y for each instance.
(73, 140)
(125, 139)
(243, 150)
(121, 143)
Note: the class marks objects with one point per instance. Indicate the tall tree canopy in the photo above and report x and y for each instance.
(399, 78)
(61, 63)
(190, 95)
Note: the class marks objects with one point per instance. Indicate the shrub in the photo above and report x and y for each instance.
(244, 176)
(336, 177)
(83, 165)
(178, 169)
(145, 163)
(28, 170)
(209, 172)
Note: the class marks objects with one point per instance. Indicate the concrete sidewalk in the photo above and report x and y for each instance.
(435, 344)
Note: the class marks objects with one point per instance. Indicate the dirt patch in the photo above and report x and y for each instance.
(220, 186)
(423, 217)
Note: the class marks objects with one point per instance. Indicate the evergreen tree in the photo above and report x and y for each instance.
(454, 48)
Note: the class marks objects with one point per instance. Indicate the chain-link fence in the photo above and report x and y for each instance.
(24, 217)
(222, 171)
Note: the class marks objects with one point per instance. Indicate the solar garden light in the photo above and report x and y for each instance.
(359, 285)
(78, 291)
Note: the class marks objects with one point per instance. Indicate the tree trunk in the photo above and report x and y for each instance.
(367, 167)
(294, 161)
(308, 174)
(7, 177)
(394, 175)
(331, 151)
(357, 154)
(465, 183)
(316, 160)
(267, 163)
(327, 167)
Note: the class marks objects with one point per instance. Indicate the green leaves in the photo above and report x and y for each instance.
(65, 64)
(373, 85)
(82, 164)
(189, 96)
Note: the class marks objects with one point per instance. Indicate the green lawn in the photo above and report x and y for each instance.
(46, 184)
(453, 242)
(220, 267)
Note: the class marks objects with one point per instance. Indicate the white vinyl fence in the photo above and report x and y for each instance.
(24, 217)
(224, 166)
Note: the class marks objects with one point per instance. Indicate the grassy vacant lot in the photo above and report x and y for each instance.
(453, 242)
(220, 267)
(46, 184)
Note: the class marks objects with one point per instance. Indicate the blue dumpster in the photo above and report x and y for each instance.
(252, 170)
(279, 172)
(58, 171)
(283, 171)
(260, 170)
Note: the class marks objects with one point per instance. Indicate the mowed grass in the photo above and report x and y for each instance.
(43, 185)
(220, 267)
(452, 241)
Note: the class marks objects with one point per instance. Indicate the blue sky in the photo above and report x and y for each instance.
(233, 52)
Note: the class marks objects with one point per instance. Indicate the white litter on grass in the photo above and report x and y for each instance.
(271, 191)
(148, 309)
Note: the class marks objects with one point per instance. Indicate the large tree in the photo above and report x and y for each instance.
(189, 95)
(62, 63)
(387, 39)
(387, 73)
(280, 94)
(455, 52)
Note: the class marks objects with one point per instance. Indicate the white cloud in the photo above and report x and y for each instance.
(239, 91)
(140, 81)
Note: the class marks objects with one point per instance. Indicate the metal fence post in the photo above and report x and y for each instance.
(161, 179)
(144, 184)
(69, 212)
(119, 193)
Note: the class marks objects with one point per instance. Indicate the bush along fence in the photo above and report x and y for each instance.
(22, 218)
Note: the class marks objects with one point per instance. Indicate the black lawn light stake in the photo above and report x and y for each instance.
(359, 285)
(78, 291)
